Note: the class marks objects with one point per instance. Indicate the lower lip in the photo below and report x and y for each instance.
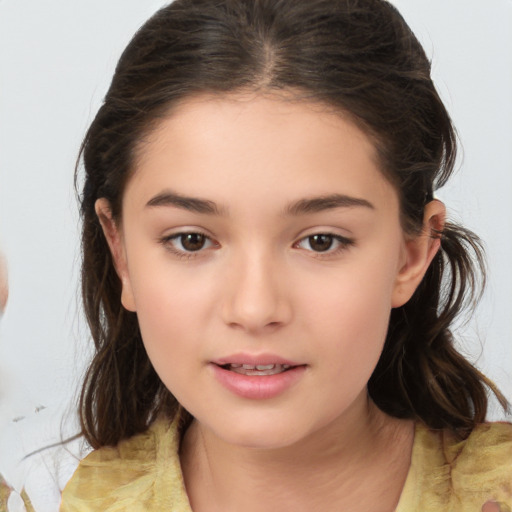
(258, 387)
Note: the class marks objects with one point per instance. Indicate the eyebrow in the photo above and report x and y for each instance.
(193, 204)
(301, 207)
(329, 202)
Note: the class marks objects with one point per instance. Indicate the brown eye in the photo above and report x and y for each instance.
(188, 244)
(328, 243)
(321, 242)
(192, 241)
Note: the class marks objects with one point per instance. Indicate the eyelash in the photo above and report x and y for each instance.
(167, 242)
(343, 244)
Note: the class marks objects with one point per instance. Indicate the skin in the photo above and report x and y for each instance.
(4, 286)
(259, 286)
(492, 506)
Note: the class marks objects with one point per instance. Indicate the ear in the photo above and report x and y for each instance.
(419, 252)
(114, 238)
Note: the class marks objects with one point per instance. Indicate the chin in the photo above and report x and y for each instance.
(262, 440)
(263, 431)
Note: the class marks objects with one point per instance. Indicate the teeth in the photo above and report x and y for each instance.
(259, 369)
(265, 366)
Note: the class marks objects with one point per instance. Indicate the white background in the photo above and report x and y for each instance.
(56, 61)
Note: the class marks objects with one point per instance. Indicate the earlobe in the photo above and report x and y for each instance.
(419, 253)
(114, 239)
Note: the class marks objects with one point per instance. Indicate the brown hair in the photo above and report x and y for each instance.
(357, 56)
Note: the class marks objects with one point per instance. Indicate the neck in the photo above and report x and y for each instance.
(357, 462)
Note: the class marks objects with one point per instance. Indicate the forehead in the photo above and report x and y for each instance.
(232, 144)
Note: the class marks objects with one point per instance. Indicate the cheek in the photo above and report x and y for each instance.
(167, 310)
(168, 318)
(350, 310)
(357, 324)
(171, 305)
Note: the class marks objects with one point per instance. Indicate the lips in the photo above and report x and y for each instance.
(257, 377)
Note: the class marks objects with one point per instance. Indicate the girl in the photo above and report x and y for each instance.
(268, 278)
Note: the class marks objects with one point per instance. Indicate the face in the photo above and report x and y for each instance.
(262, 250)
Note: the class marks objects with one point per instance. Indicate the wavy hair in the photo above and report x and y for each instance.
(357, 56)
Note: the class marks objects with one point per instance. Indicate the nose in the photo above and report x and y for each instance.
(256, 295)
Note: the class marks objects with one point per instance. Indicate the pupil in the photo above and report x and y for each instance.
(192, 241)
(320, 243)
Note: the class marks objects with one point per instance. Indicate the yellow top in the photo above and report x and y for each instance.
(143, 473)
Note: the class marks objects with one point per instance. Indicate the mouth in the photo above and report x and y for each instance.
(257, 377)
(257, 369)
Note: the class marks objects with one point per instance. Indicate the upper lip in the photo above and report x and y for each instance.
(254, 360)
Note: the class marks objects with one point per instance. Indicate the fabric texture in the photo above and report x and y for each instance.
(143, 473)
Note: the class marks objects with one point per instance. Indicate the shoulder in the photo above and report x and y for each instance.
(482, 463)
(489, 443)
(452, 474)
(485, 456)
(131, 476)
